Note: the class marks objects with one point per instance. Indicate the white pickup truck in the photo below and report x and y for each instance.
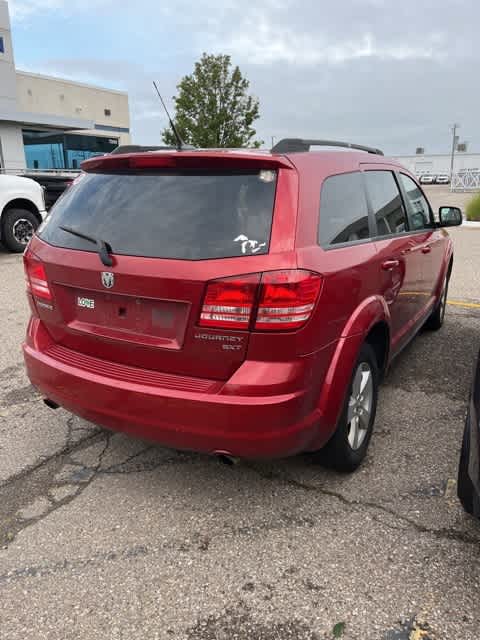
(22, 209)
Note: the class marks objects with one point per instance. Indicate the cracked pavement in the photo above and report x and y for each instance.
(102, 535)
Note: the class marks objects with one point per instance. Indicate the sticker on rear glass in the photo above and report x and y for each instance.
(250, 246)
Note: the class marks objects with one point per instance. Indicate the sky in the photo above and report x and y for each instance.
(394, 75)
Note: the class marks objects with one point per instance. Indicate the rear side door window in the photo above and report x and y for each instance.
(343, 210)
(386, 203)
(417, 204)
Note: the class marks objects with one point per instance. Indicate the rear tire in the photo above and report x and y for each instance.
(465, 488)
(18, 226)
(436, 319)
(348, 446)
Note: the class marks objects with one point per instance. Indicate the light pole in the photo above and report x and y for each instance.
(454, 145)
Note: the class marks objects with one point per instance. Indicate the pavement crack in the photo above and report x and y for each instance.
(121, 468)
(117, 467)
(28, 498)
(68, 449)
(442, 534)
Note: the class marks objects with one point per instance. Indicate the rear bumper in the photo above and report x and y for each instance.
(250, 426)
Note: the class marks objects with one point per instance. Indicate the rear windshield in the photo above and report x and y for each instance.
(187, 215)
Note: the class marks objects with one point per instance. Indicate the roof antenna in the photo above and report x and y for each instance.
(180, 143)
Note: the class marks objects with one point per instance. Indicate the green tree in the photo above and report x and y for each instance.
(213, 107)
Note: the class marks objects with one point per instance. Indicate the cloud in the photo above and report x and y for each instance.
(22, 9)
(260, 41)
(391, 75)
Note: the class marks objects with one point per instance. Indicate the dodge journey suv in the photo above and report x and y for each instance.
(235, 302)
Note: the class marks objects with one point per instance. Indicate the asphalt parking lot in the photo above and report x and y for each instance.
(104, 536)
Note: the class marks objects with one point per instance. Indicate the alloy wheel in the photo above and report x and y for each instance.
(360, 405)
(23, 231)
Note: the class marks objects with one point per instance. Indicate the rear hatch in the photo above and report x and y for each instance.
(169, 226)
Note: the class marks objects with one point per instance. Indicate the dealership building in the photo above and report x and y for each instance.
(50, 123)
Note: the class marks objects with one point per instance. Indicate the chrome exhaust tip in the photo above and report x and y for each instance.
(226, 458)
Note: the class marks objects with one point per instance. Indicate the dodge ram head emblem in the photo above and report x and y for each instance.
(108, 279)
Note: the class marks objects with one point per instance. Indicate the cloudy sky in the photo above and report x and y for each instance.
(394, 75)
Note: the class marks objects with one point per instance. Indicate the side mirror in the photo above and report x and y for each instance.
(450, 216)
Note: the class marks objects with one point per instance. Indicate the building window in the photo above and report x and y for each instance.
(2, 45)
(107, 112)
(53, 150)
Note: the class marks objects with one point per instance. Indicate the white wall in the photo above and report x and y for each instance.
(8, 88)
(11, 145)
(55, 96)
(439, 163)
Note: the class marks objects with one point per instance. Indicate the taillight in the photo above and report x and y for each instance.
(229, 302)
(287, 299)
(36, 278)
(276, 300)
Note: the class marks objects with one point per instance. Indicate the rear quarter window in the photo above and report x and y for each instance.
(184, 215)
(343, 210)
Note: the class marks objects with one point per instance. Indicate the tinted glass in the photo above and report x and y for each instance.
(189, 215)
(343, 210)
(47, 150)
(386, 202)
(419, 211)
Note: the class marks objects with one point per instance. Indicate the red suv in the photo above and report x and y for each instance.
(237, 303)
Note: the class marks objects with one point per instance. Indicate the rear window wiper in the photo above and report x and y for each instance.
(104, 249)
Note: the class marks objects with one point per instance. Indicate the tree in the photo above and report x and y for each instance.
(213, 107)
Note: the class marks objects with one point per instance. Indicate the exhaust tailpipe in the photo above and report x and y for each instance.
(50, 403)
(226, 458)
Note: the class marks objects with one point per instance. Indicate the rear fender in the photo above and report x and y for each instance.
(369, 313)
(335, 386)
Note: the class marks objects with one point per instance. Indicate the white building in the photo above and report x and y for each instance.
(49, 123)
(440, 163)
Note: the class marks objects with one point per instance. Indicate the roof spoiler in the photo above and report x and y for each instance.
(297, 145)
(186, 160)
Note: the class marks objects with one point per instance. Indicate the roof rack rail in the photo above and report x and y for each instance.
(137, 148)
(295, 145)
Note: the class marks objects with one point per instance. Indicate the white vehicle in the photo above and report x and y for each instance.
(442, 178)
(427, 178)
(22, 209)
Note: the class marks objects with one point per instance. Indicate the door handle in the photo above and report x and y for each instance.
(388, 265)
(426, 249)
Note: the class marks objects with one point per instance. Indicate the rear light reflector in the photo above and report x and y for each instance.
(287, 299)
(276, 300)
(36, 278)
(229, 302)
